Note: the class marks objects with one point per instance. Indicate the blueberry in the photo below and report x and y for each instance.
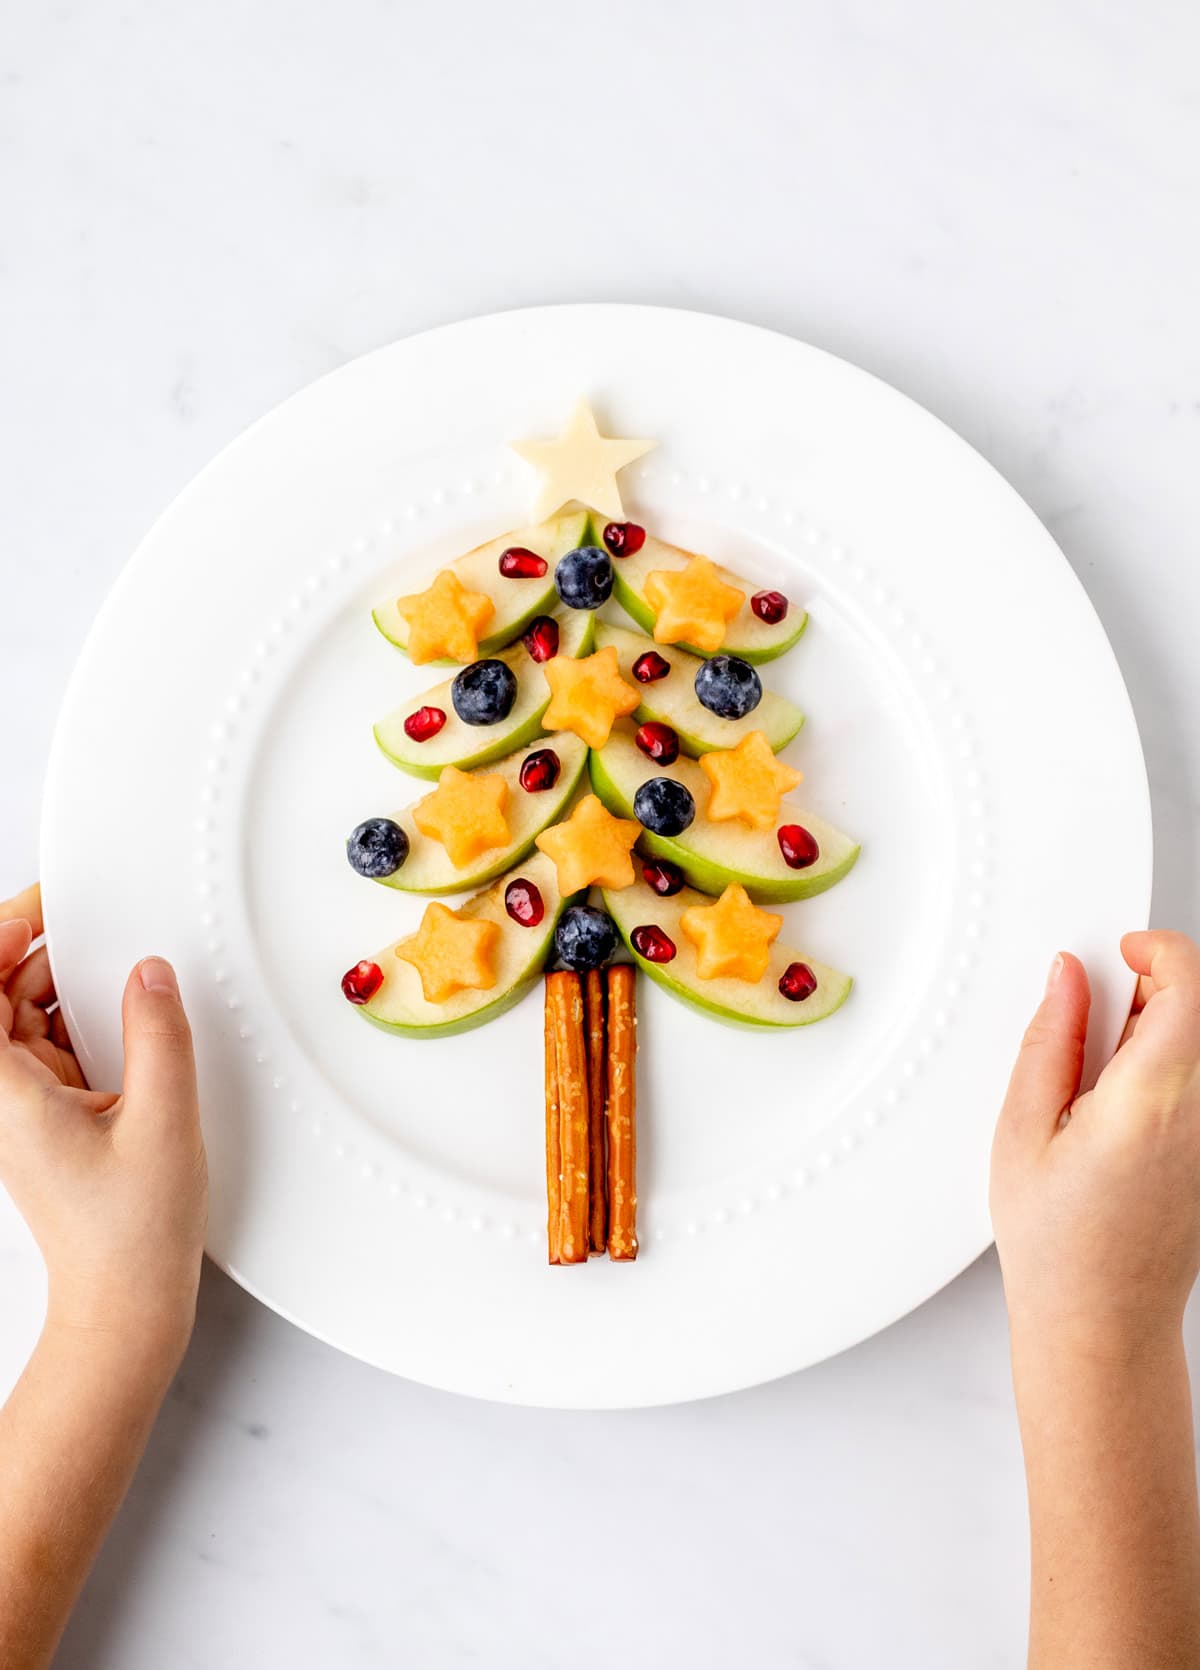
(585, 937)
(484, 692)
(664, 806)
(584, 578)
(377, 848)
(729, 687)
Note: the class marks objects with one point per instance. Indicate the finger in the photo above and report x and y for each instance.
(68, 1072)
(1162, 958)
(1129, 1029)
(29, 1022)
(26, 907)
(160, 1070)
(15, 939)
(32, 980)
(58, 1032)
(1045, 1079)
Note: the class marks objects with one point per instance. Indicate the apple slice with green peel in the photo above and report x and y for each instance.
(673, 701)
(465, 745)
(428, 869)
(740, 1002)
(517, 601)
(714, 855)
(400, 1005)
(746, 635)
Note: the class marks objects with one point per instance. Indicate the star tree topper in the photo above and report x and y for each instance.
(581, 464)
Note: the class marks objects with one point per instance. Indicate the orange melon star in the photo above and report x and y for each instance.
(587, 695)
(748, 782)
(692, 605)
(733, 938)
(592, 848)
(465, 813)
(445, 620)
(451, 953)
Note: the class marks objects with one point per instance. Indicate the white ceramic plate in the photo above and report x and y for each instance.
(966, 720)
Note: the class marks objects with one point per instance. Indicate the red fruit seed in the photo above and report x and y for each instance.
(798, 847)
(650, 942)
(541, 640)
(540, 771)
(523, 902)
(664, 877)
(519, 564)
(658, 742)
(770, 606)
(360, 983)
(650, 666)
(797, 982)
(624, 538)
(424, 723)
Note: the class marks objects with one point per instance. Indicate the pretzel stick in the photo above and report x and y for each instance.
(622, 1113)
(553, 1151)
(567, 998)
(597, 1098)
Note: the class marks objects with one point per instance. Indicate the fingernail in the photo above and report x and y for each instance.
(158, 976)
(1056, 968)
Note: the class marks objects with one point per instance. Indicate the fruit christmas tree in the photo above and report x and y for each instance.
(612, 785)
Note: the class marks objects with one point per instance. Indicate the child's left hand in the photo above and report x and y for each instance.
(114, 1187)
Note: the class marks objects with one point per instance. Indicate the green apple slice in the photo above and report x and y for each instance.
(470, 745)
(674, 702)
(739, 1002)
(745, 635)
(400, 1005)
(517, 601)
(428, 868)
(711, 855)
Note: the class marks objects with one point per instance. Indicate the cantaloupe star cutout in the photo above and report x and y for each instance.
(733, 938)
(692, 605)
(592, 848)
(581, 464)
(444, 619)
(465, 813)
(748, 782)
(451, 953)
(587, 695)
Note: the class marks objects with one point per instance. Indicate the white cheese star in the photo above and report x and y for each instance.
(581, 464)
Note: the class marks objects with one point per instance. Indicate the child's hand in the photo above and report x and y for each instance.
(113, 1187)
(1096, 1198)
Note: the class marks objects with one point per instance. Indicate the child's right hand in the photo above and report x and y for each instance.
(1096, 1198)
(114, 1187)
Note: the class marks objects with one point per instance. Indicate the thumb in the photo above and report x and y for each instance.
(160, 1069)
(1045, 1080)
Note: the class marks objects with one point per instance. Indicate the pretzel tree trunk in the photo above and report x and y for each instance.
(597, 1059)
(622, 1113)
(566, 996)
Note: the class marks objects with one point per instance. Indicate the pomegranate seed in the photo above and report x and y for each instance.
(650, 666)
(798, 847)
(540, 771)
(624, 538)
(361, 983)
(770, 606)
(519, 564)
(662, 876)
(658, 742)
(650, 942)
(523, 902)
(797, 982)
(541, 640)
(424, 723)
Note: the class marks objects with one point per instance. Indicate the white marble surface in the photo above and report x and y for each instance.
(204, 208)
